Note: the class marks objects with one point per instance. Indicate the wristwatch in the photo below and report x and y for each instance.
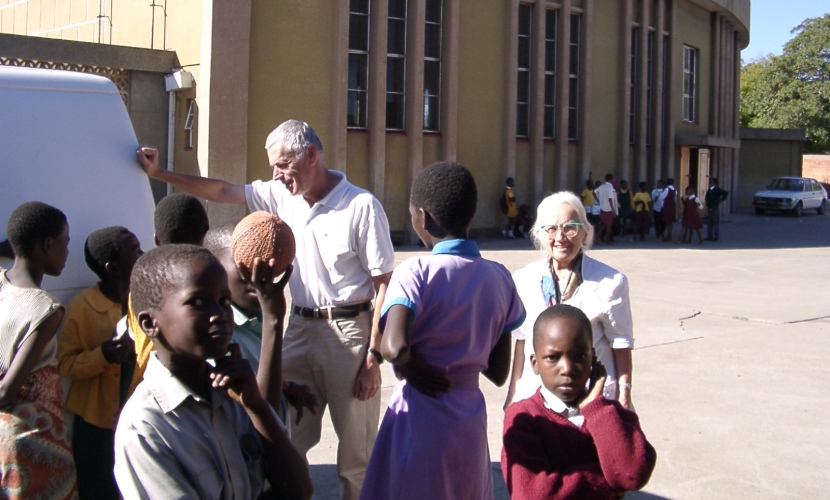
(377, 355)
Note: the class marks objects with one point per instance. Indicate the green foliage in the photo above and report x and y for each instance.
(792, 90)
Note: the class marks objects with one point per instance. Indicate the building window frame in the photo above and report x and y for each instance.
(551, 35)
(573, 76)
(396, 65)
(691, 61)
(357, 93)
(650, 86)
(523, 65)
(433, 42)
(632, 89)
(189, 125)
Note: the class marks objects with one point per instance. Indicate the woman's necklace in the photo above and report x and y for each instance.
(560, 291)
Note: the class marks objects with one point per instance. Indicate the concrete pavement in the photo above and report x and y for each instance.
(729, 372)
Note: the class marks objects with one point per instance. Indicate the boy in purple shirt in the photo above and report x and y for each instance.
(446, 319)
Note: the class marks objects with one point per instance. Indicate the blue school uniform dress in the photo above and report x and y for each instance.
(437, 447)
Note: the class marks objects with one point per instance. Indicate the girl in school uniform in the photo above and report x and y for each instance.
(446, 319)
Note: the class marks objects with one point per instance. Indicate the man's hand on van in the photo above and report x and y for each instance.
(148, 158)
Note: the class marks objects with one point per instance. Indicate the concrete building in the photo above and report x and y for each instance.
(547, 92)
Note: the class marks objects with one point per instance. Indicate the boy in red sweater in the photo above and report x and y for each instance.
(568, 441)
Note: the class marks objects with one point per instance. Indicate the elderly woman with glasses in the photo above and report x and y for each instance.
(567, 275)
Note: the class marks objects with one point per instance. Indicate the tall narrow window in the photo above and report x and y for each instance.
(665, 89)
(432, 66)
(396, 65)
(632, 89)
(690, 56)
(523, 77)
(573, 80)
(189, 122)
(551, 20)
(649, 87)
(358, 63)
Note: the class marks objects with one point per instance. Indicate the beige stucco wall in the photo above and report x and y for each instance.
(293, 74)
(482, 80)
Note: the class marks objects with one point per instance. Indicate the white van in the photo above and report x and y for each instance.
(66, 139)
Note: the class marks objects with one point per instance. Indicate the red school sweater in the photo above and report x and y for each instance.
(546, 456)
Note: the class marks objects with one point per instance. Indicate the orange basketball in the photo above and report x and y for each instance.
(264, 235)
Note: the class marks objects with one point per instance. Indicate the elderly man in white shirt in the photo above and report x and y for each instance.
(344, 261)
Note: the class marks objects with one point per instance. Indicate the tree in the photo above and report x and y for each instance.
(793, 90)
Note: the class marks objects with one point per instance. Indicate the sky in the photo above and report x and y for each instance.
(771, 21)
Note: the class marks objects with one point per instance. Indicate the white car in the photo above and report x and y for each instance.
(794, 194)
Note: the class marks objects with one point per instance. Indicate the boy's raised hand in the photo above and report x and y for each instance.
(234, 373)
(271, 293)
(597, 383)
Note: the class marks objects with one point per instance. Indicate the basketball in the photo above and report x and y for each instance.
(264, 235)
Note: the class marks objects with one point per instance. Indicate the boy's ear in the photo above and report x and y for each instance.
(156, 240)
(147, 324)
(534, 365)
(112, 268)
(431, 226)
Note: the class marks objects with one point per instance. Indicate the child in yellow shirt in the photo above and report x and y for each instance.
(641, 201)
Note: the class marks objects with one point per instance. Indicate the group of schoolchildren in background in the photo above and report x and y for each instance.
(634, 213)
(203, 422)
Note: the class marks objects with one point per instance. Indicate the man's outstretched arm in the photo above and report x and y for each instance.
(215, 190)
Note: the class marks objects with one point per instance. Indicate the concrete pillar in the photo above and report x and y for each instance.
(562, 96)
(451, 26)
(512, 23)
(414, 107)
(336, 148)
(624, 149)
(223, 92)
(674, 65)
(640, 158)
(657, 118)
(584, 134)
(376, 119)
(715, 60)
(537, 98)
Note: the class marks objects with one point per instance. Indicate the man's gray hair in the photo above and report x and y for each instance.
(296, 136)
(545, 216)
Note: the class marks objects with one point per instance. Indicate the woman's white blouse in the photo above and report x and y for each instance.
(602, 296)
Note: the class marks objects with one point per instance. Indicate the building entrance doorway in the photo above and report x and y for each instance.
(694, 169)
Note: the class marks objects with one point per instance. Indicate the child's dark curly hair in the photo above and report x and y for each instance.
(448, 192)
(161, 270)
(31, 223)
(562, 311)
(103, 246)
(180, 218)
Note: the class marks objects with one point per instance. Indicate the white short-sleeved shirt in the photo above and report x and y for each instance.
(170, 443)
(605, 192)
(342, 241)
(602, 296)
(658, 199)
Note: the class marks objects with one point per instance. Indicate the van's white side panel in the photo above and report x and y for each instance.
(66, 139)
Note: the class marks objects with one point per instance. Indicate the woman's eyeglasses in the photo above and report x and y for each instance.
(569, 229)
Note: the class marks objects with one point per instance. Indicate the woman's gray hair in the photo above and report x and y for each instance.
(295, 136)
(545, 214)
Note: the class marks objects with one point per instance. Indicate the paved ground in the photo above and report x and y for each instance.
(729, 379)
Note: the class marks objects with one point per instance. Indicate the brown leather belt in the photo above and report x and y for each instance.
(332, 312)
